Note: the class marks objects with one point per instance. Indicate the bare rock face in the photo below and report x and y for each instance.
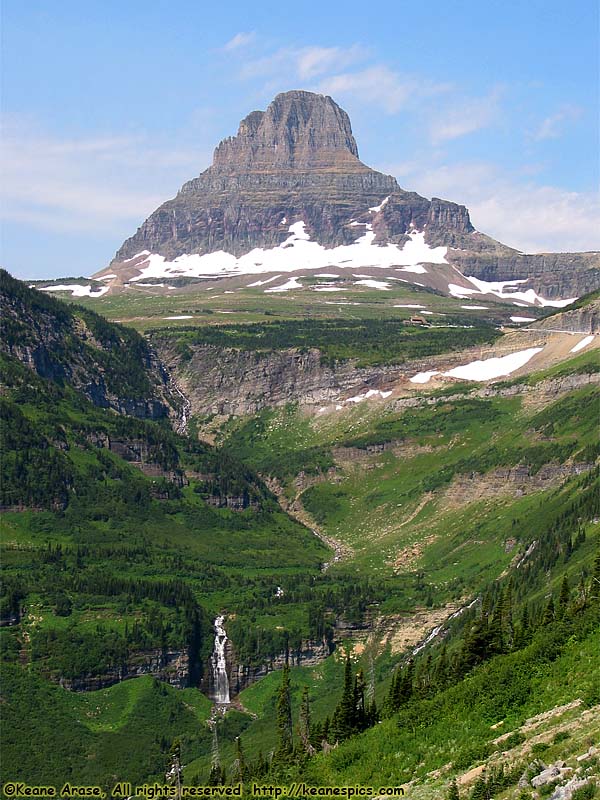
(298, 161)
(578, 320)
(299, 130)
(170, 666)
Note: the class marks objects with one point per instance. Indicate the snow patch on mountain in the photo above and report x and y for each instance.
(581, 344)
(292, 283)
(76, 289)
(505, 291)
(373, 284)
(298, 252)
(367, 395)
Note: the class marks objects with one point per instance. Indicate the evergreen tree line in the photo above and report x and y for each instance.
(371, 341)
(493, 632)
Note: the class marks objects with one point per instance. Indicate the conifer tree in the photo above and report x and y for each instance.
(440, 676)
(260, 767)
(285, 743)
(564, 597)
(344, 718)
(548, 612)
(508, 630)
(479, 791)
(372, 714)
(326, 730)
(216, 776)
(523, 634)
(360, 713)
(424, 678)
(401, 688)
(495, 641)
(304, 727)
(240, 769)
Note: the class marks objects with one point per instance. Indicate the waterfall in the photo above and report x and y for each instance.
(218, 664)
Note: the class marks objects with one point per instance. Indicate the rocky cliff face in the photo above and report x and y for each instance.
(171, 666)
(298, 161)
(578, 320)
(226, 381)
(110, 365)
(309, 654)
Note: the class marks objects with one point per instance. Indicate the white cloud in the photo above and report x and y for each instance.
(509, 207)
(301, 63)
(465, 116)
(313, 61)
(381, 86)
(89, 185)
(241, 39)
(553, 126)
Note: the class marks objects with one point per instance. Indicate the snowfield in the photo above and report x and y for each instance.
(76, 289)
(373, 284)
(493, 367)
(424, 377)
(298, 252)
(484, 370)
(581, 344)
(292, 283)
(499, 288)
(359, 398)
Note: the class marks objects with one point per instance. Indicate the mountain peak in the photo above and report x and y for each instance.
(299, 130)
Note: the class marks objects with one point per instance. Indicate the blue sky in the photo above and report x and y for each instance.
(107, 107)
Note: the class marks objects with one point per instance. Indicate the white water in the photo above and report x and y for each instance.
(439, 628)
(219, 665)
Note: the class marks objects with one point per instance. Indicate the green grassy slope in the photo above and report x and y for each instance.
(104, 563)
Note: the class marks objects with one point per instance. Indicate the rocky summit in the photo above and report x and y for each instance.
(289, 193)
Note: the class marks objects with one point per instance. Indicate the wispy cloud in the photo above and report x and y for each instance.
(335, 70)
(465, 116)
(510, 206)
(238, 41)
(314, 61)
(89, 184)
(302, 63)
(554, 126)
(380, 86)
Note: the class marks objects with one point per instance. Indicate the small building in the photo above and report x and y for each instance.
(414, 320)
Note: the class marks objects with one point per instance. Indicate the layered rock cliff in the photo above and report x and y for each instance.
(583, 319)
(298, 161)
(220, 380)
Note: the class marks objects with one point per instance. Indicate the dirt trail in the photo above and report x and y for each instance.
(424, 500)
(295, 509)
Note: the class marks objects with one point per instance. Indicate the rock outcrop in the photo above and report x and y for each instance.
(298, 161)
(112, 366)
(585, 319)
(171, 666)
(220, 380)
(309, 653)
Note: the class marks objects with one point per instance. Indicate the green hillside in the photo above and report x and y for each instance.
(474, 511)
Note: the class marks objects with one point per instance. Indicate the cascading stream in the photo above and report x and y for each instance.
(218, 661)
